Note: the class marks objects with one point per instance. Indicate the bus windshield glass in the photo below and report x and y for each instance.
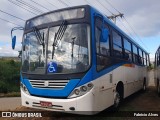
(71, 52)
(33, 58)
(56, 16)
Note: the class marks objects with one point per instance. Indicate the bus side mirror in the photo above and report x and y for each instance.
(14, 38)
(13, 42)
(105, 34)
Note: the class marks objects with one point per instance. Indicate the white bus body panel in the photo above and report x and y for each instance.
(81, 104)
(102, 94)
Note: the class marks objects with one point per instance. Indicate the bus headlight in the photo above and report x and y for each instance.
(90, 85)
(24, 88)
(83, 88)
(79, 91)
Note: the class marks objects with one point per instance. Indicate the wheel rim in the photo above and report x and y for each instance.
(144, 87)
(116, 99)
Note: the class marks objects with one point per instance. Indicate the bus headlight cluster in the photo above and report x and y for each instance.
(81, 90)
(24, 88)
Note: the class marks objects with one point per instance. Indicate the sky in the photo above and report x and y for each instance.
(141, 19)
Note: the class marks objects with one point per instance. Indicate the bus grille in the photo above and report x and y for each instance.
(53, 84)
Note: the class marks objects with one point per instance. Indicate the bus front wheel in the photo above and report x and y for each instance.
(144, 85)
(117, 100)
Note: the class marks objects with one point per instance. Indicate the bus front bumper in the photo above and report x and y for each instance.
(79, 105)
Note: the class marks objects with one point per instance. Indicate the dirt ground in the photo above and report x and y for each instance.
(147, 101)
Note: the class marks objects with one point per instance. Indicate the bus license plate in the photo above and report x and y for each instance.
(45, 104)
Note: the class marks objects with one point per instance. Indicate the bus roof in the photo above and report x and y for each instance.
(105, 17)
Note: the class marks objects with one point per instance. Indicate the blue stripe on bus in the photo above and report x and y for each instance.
(109, 69)
(92, 74)
(52, 92)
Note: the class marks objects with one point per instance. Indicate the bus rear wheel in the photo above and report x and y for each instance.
(144, 85)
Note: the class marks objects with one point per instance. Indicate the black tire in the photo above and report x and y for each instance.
(144, 86)
(117, 101)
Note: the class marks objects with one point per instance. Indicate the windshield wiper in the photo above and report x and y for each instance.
(39, 37)
(73, 41)
(59, 35)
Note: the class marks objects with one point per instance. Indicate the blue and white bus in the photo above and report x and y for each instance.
(76, 59)
(157, 70)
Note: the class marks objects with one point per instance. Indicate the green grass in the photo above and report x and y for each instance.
(9, 76)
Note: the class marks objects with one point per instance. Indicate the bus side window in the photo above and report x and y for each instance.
(148, 60)
(127, 49)
(98, 31)
(117, 45)
(155, 63)
(140, 57)
(135, 54)
(145, 58)
(102, 48)
(157, 59)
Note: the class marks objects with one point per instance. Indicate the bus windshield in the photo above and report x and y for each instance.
(56, 16)
(71, 53)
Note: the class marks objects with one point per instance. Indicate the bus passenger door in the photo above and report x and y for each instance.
(103, 64)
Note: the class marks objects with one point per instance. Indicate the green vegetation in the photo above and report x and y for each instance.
(9, 76)
(11, 94)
